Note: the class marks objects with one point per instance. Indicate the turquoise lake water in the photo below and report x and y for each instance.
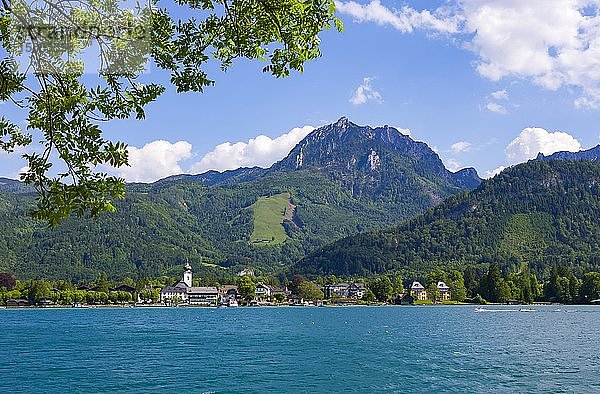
(288, 350)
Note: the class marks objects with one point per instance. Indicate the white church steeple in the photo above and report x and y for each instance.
(187, 275)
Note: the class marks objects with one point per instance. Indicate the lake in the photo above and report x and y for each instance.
(300, 349)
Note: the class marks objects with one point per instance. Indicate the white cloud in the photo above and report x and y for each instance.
(534, 140)
(552, 43)
(452, 164)
(500, 95)
(261, 151)
(461, 146)
(155, 160)
(495, 107)
(492, 173)
(365, 92)
(405, 19)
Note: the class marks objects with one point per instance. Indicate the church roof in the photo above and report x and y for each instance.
(172, 289)
(181, 284)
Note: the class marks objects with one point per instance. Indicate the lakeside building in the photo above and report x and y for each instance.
(356, 290)
(228, 292)
(263, 292)
(345, 290)
(230, 295)
(18, 303)
(418, 291)
(184, 292)
(178, 292)
(204, 296)
(337, 290)
(125, 288)
(444, 291)
(281, 290)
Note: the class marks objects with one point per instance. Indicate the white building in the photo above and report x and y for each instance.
(204, 296)
(262, 292)
(418, 291)
(179, 291)
(444, 290)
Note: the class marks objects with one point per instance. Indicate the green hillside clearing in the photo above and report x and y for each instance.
(269, 213)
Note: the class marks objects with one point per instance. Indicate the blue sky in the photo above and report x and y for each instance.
(488, 84)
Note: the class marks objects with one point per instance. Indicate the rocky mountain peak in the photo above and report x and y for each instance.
(354, 153)
(342, 123)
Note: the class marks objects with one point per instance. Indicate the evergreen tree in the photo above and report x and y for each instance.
(490, 284)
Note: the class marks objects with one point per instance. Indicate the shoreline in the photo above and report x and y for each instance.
(161, 306)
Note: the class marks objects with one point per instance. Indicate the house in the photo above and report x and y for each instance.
(263, 291)
(126, 288)
(345, 290)
(444, 291)
(229, 295)
(178, 292)
(228, 292)
(356, 290)
(170, 294)
(45, 302)
(203, 296)
(286, 294)
(418, 291)
(17, 303)
(336, 290)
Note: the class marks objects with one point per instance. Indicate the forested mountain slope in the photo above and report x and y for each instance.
(540, 212)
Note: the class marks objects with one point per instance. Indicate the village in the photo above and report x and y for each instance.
(183, 293)
(245, 293)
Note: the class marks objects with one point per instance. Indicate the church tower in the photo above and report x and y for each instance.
(187, 275)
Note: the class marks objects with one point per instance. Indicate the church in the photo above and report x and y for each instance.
(183, 293)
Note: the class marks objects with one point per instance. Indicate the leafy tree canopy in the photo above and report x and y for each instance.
(309, 291)
(246, 287)
(44, 45)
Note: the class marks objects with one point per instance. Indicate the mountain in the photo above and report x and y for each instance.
(340, 180)
(14, 186)
(216, 178)
(540, 212)
(372, 161)
(592, 154)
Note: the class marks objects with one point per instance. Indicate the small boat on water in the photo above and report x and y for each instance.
(495, 310)
(479, 309)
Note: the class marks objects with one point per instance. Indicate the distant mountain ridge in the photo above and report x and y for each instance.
(14, 186)
(592, 154)
(214, 178)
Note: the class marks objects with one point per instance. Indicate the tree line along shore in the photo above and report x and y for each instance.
(519, 286)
